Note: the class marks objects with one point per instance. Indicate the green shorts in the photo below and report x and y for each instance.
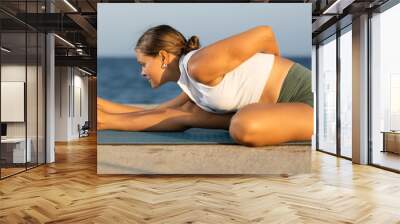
(297, 86)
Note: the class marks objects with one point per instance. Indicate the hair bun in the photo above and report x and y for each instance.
(192, 44)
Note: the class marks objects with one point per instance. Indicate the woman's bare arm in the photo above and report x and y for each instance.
(166, 119)
(176, 102)
(217, 59)
(112, 107)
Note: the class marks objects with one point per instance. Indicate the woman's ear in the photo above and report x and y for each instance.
(164, 56)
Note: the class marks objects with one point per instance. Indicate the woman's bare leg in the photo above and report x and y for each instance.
(253, 125)
(268, 124)
(112, 107)
(167, 119)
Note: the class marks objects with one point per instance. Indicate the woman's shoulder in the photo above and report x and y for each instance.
(185, 58)
(184, 62)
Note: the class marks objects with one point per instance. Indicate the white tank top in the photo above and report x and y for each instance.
(241, 86)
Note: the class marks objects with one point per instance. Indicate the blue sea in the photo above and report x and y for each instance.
(119, 80)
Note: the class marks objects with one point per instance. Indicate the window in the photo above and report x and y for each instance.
(346, 75)
(327, 95)
(22, 67)
(385, 88)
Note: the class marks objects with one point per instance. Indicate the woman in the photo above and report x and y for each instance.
(240, 83)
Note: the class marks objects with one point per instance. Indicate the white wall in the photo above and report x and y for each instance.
(12, 73)
(81, 100)
(16, 73)
(71, 93)
(61, 103)
(33, 127)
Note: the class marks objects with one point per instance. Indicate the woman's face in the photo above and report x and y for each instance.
(151, 68)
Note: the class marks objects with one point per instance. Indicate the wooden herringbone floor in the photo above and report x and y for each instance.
(69, 191)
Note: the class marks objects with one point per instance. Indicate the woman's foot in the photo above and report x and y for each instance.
(101, 120)
(102, 104)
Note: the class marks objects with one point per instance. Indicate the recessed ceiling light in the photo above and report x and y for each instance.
(64, 40)
(70, 5)
(338, 6)
(84, 71)
(5, 49)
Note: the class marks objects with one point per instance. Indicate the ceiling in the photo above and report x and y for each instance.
(76, 22)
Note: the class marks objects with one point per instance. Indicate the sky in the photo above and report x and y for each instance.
(121, 24)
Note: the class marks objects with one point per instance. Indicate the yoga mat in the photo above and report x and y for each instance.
(190, 136)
